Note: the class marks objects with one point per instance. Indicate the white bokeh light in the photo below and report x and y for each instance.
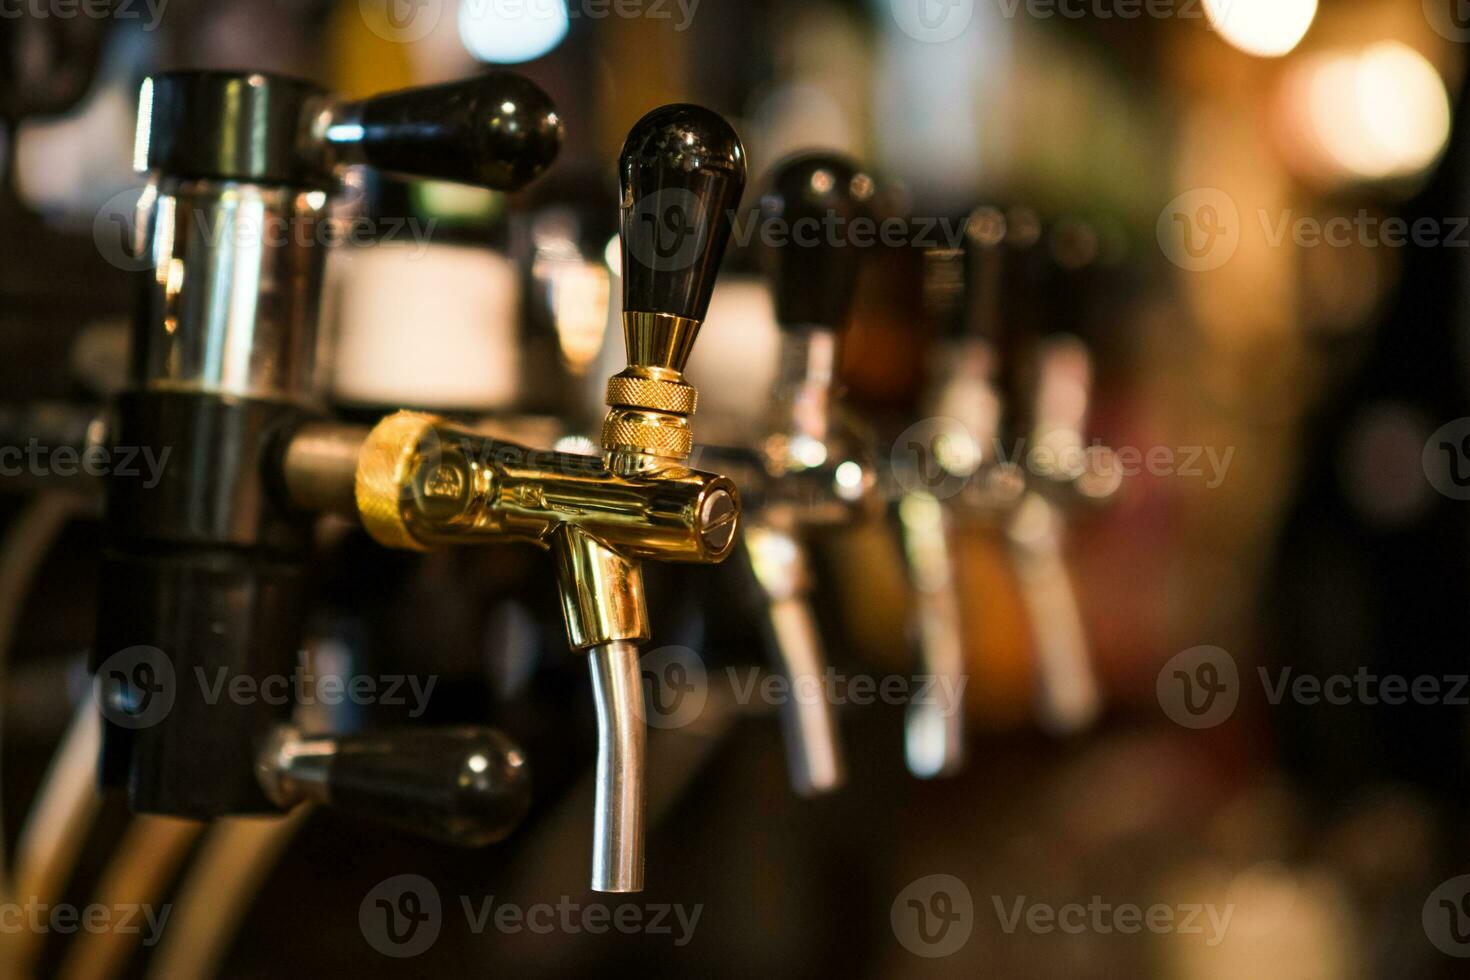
(1266, 28)
(507, 32)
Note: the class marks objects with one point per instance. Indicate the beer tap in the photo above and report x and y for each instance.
(1064, 476)
(204, 574)
(1005, 392)
(419, 482)
(808, 470)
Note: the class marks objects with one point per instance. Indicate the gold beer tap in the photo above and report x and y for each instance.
(418, 482)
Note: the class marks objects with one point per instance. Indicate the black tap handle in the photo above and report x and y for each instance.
(990, 287)
(497, 130)
(1007, 280)
(681, 174)
(813, 265)
(467, 786)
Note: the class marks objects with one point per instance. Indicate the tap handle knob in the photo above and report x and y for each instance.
(681, 174)
(467, 786)
(497, 130)
(813, 273)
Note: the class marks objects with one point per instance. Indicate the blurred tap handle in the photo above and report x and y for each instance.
(467, 786)
(498, 130)
(681, 174)
(48, 62)
(816, 197)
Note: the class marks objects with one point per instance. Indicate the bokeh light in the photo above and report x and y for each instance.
(1266, 28)
(507, 34)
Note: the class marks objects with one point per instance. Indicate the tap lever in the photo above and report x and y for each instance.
(681, 174)
(467, 786)
(498, 130)
(814, 274)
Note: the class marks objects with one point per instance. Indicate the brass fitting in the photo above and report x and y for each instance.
(649, 403)
(422, 483)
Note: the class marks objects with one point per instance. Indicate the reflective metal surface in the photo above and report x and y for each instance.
(230, 306)
(422, 482)
(934, 731)
(617, 831)
(814, 755)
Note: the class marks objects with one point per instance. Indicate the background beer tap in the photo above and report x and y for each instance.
(1009, 452)
(811, 470)
(205, 574)
(1063, 472)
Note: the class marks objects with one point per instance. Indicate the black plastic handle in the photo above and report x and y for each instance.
(498, 130)
(467, 786)
(681, 174)
(813, 265)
